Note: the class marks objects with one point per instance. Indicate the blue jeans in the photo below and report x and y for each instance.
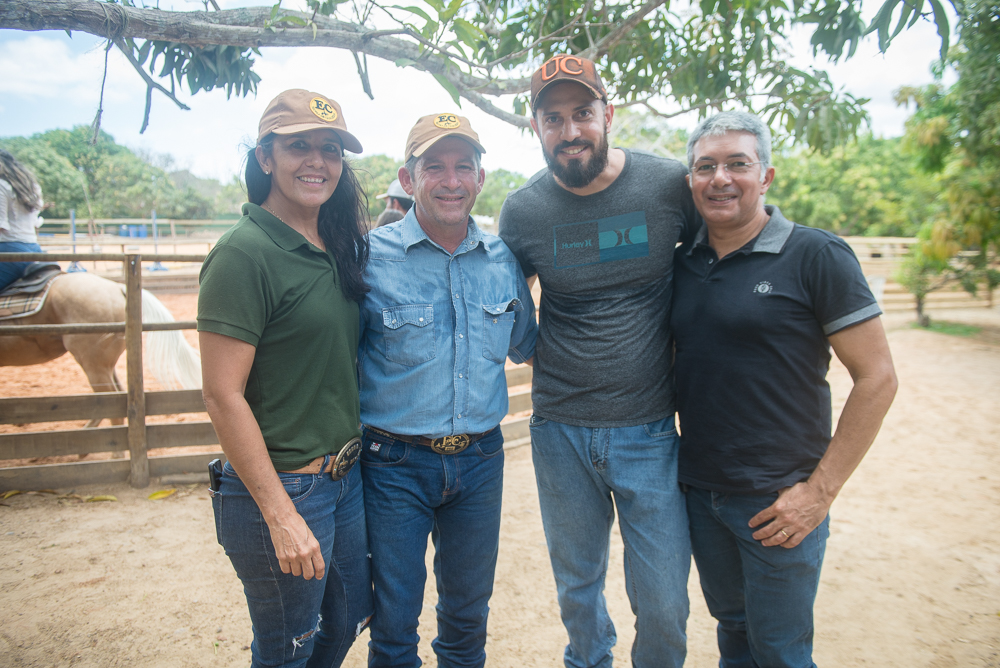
(11, 271)
(298, 622)
(583, 473)
(761, 596)
(410, 492)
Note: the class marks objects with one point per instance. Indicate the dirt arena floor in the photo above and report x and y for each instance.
(911, 578)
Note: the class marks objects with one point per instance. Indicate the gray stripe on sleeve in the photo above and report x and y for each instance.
(867, 313)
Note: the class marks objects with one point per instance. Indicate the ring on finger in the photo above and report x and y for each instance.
(785, 534)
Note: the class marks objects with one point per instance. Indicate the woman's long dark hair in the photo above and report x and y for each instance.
(341, 220)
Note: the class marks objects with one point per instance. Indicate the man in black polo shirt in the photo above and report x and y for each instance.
(758, 302)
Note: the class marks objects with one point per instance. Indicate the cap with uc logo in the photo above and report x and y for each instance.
(565, 67)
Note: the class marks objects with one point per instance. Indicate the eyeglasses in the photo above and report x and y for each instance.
(736, 167)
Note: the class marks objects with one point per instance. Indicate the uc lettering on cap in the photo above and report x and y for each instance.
(566, 67)
(571, 65)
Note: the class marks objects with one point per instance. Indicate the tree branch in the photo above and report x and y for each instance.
(244, 27)
(491, 109)
(120, 43)
(612, 39)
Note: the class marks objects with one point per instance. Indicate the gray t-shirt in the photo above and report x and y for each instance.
(605, 262)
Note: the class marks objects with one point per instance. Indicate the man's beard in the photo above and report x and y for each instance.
(579, 174)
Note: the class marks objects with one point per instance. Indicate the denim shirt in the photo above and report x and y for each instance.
(436, 329)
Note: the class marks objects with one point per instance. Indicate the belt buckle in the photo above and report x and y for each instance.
(346, 459)
(450, 445)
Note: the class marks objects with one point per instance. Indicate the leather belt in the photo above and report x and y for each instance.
(338, 466)
(446, 445)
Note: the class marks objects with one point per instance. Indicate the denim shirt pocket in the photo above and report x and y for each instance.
(498, 322)
(408, 331)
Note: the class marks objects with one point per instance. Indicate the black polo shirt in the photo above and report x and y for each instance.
(752, 353)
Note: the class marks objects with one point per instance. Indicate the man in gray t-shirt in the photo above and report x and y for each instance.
(598, 228)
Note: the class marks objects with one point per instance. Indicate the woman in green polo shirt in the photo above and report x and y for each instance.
(278, 326)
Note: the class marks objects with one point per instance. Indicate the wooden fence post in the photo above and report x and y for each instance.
(136, 395)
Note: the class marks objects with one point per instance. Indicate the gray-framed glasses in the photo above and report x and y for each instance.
(736, 167)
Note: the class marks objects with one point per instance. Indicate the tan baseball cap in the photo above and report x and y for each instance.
(429, 129)
(566, 68)
(298, 110)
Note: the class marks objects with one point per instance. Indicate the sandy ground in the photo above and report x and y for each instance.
(912, 572)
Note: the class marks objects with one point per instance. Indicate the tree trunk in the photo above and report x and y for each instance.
(922, 318)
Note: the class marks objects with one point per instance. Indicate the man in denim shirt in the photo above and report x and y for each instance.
(448, 304)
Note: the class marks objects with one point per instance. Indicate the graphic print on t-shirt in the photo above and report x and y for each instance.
(602, 240)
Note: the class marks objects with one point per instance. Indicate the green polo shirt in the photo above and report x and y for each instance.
(263, 283)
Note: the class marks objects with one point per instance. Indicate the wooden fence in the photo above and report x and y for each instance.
(130, 404)
(135, 404)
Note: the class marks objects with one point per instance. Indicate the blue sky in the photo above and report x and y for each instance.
(49, 80)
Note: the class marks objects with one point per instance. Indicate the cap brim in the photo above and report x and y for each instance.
(349, 141)
(420, 150)
(538, 96)
(382, 196)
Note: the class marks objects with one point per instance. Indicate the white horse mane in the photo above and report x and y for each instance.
(174, 362)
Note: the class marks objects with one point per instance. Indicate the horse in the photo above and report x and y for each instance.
(87, 298)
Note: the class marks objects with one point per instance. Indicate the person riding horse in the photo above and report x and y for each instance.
(20, 204)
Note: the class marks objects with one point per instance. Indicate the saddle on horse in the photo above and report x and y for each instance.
(26, 295)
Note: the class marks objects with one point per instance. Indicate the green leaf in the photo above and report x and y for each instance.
(449, 13)
(468, 33)
(414, 10)
(405, 62)
(448, 86)
(943, 29)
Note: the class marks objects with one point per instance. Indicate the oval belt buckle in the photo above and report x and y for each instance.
(450, 445)
(346, 458)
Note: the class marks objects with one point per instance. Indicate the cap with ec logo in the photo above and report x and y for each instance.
(429, 129)
(566, 68)
(298, 110)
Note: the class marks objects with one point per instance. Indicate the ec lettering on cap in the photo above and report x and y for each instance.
(323, 109)
(446, 121)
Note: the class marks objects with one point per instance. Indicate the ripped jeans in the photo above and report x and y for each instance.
(299, 622)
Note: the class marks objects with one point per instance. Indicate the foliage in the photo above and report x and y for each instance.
(62, 185)
(118, 183)
(499, 182)
(921, 272)
(375, 173)
(867, 188)
(647, 132)
(701, 55)
(955, 133)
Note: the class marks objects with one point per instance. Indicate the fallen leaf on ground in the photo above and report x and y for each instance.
(162, 494)
(101, 497)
